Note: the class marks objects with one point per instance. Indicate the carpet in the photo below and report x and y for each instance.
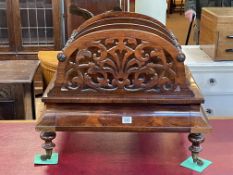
(89, 153)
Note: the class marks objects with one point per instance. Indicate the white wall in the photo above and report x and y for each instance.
(154, 8)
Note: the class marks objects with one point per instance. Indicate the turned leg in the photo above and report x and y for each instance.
(48, 145)
(195, 148)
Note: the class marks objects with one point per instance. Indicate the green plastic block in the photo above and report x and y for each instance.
(52, 161)
(188, 163)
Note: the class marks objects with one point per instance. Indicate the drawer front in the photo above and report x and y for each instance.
(224, 51)
(226, 36)
(218, 82)
(225, 44)
(218, 105)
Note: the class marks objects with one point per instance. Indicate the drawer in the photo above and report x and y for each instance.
(218, 105)
(218, 82)
(226, 36)
(224, 51)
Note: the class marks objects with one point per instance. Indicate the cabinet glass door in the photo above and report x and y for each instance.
(4, 36)
(36, 22)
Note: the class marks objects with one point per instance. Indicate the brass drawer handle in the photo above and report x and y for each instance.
(229, 50)
(230, 36)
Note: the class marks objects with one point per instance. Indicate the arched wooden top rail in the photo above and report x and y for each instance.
(124, 17)
(120, 19)
(127, 26)
(147, 36)
(119, 14)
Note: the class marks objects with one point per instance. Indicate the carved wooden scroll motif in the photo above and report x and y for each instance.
(122, 64)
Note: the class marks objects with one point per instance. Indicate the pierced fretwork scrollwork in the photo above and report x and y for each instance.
(124, 64)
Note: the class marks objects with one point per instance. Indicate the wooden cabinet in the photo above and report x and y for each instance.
(28, 26)
(16, 89)
(216, 32)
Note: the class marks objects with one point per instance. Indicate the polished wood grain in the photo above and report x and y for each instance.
(105, 117)
(16, 71)
(122, 70)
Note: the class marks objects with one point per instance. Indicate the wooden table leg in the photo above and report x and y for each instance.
(48, 145)
(196, 139)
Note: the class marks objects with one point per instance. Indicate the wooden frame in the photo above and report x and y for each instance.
(10, 28)
(16, 50)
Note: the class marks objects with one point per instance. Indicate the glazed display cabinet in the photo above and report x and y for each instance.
(27, 26)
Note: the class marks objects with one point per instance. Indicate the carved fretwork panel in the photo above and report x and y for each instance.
(121, 64)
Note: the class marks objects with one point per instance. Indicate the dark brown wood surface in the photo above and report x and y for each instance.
(18, 71)
(105, 117)
(17, 89)
(94, 6)
(124, 65)
(120, 15)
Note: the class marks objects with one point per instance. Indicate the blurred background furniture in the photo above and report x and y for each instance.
(74, 20)
(175, 6)
(216, 32)
(29, 26)
(17, 89)
(48, 62)
(215, 80)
